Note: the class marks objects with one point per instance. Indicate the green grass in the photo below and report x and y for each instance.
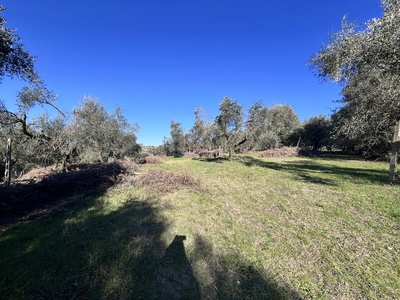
(287, 228)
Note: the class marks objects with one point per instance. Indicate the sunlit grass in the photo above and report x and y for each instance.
(279, 227)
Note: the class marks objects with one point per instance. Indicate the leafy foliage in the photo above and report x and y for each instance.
(91, 135)
(98, 136)
(365, 59)
(229, 124)
(14, 60)
(270, 127)
(317, 132)
(233, 129)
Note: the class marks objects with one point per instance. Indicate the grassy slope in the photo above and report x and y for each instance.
(283, 228)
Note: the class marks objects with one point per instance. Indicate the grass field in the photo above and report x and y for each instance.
(276, 228)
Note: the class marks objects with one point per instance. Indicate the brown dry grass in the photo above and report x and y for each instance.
(154, 160)
(44, 187)
(151, 160)
(191, 155)
(160, 181)
(281, 152)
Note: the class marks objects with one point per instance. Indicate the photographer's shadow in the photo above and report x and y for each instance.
(174, 276)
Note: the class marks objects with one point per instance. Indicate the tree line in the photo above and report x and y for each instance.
(257, 129)
(364, 58)
(87, 134)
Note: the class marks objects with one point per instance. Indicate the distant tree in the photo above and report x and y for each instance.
(365, 59)
(178, 139)
(200, 136)
(229, 125)
(317, 132)
(167, 146)
(97, 135)
(270, 127)
(282, 120)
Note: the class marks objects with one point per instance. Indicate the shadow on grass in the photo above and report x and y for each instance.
(230, 277)
(309, 170)
(212, 159)
(60, 240)
(88, 252)
(29, 200)
(174, 275)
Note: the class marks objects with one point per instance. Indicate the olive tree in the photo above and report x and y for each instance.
(14, 60)
(270, 127)
(317, 132)
(96, 135)
(178, 139)
(229, 125)
(201, 135)
(365, 59)
(32, 141)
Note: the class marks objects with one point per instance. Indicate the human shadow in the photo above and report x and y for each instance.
(174, 277)
(308, 170)
(231, 277)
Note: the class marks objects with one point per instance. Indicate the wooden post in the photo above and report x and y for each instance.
(7, 177)
(395, 150)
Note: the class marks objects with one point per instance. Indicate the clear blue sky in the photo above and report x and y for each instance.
(159, 60)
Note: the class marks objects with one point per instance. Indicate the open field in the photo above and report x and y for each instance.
(276, 228)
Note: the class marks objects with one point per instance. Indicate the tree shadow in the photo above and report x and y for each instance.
(30, 199)
(91, 252)
(84, 252)
(309, 170)
(220, 159)
(230, 277)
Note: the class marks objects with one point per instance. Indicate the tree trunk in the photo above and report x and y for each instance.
(7, 175)
(230, 151)
(395, 149)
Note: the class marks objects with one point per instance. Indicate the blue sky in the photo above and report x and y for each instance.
(159, 60)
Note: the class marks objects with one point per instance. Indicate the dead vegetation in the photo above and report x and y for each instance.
(281, 152)
(209, 154)
(46, 189)
(151, 160)
(191, 154)
(154, 160)
(160, 181)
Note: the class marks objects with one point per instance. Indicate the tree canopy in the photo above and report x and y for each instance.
(14, 60)
(365, 59)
